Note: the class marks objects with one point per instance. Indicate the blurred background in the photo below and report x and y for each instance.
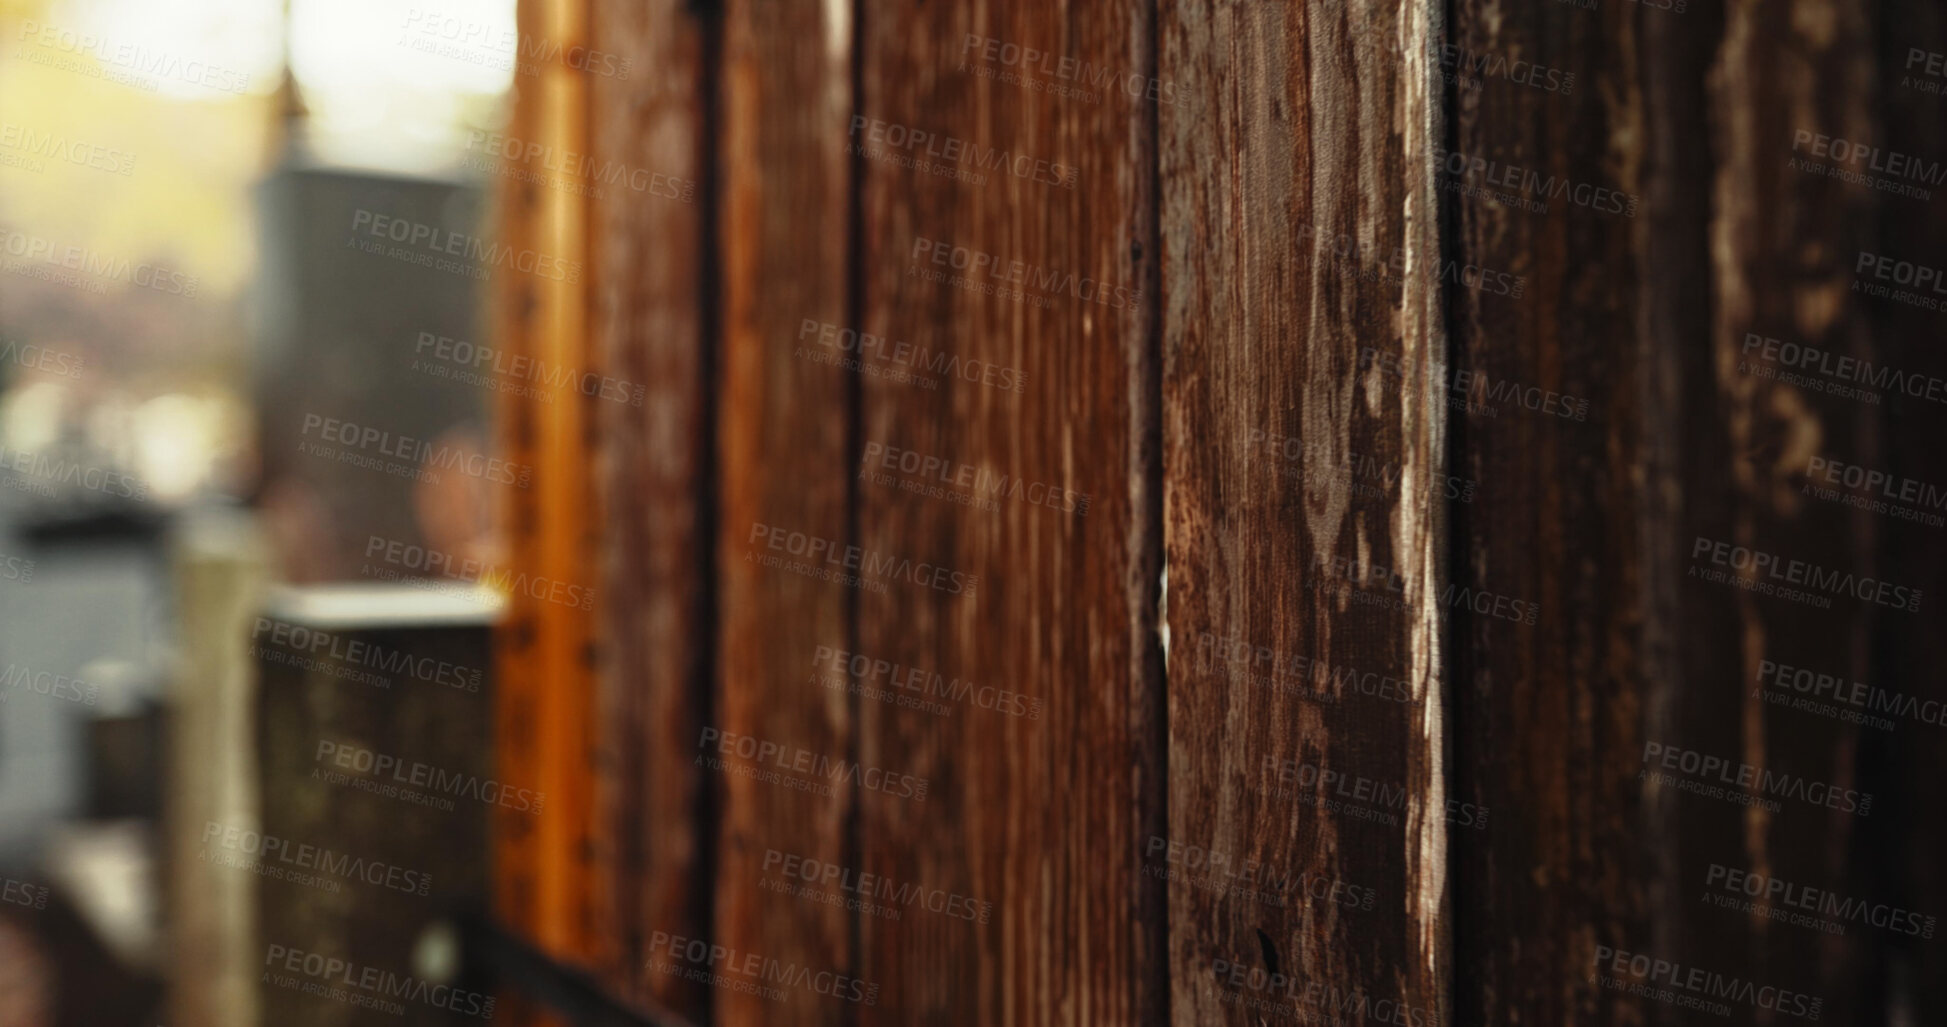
(182, 314)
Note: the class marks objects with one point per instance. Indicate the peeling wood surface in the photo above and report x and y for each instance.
(1297, 215)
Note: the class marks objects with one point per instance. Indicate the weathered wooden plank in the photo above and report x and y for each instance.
(650, 318)
(785, 92)
(1303, 515)
(1008, 260)
(1605, 412)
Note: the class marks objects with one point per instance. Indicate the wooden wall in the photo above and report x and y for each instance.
(1372, 372)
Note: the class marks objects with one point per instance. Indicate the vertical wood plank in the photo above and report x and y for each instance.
(1044, 777)
(1298, 224)
(1548, 717)
(1785, 237)
(785, 86)
(1900, 854)
(650, 325)
(1684, 468)
(546, 734)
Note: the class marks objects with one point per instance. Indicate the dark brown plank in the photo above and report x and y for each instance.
(1044, 782)
(649, 320)
(1317, 132)
(1900, 854)
(784, 86)
(1785, 236)
(1549, 718)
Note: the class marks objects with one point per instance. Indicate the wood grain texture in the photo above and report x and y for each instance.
(1325, 347)
(785, 88)
(652, 278)
(1297, 218)
(1044, 782)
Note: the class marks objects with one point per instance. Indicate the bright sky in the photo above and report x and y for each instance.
(377, 100)
(240, 35)
(377, 96)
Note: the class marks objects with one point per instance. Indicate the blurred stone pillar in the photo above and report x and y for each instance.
(219, 567)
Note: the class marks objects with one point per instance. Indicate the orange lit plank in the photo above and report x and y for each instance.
(546, 740)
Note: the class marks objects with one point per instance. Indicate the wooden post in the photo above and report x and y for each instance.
(1549, 718)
